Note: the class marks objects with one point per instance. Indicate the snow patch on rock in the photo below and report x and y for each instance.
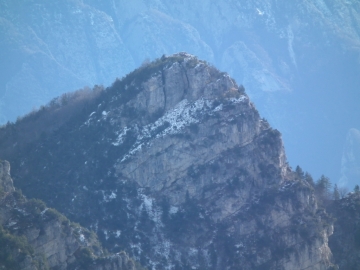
(172, 122)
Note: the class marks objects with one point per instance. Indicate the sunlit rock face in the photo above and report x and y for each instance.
(174, 165)
(350, 162)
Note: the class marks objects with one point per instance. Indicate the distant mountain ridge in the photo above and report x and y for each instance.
(350, 163)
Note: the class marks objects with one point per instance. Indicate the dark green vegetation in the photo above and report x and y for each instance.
(343, 209)
(29, 229)
(14, 250)
(345, 242)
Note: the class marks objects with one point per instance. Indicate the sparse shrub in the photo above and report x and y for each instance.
(242, 89)
(232, 93)
(271, 138)
(14, 249)
(52, 213)
(84, 258)
(192, 63)
(18, 195)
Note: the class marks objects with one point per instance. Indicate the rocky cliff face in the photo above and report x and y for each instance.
(34, 237)
(298, 60)
(6, 182)
(174, 165)
(345, 242)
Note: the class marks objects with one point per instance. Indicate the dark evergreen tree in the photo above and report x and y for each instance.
(299, 172)
(308, 178)
(336, 193)
(322, 188)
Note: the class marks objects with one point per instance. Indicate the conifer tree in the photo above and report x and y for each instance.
(308, 178)
(299, 172)
(322, 188)
(336, 194)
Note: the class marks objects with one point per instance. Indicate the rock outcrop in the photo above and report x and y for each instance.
(174, 165)
(35, 237)
(345, 242)
(6, 183)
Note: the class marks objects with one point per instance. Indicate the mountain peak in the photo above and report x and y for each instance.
(174, 165)
(184, 77)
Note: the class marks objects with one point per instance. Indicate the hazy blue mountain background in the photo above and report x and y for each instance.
(350, 163)
(299, 61)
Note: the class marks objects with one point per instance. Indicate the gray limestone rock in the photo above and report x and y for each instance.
(45, 239)
(6, 182)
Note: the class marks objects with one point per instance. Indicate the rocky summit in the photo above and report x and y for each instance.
(173, 165)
